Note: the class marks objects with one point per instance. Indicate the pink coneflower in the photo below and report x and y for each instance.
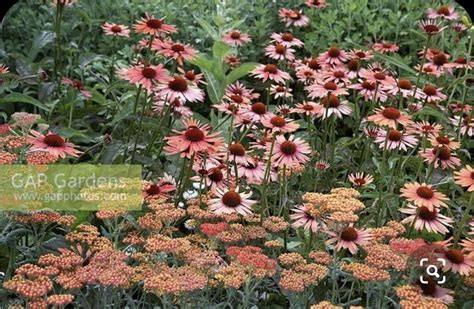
(369, 91)
(332, 105)
(313, 64)
(349, 238)
(290, 152)
(333, 56)
(63, 2)
(78, 85)
(179, 88)
(424, 218)
(353, 67)
(378, 76)
(194, 139)
(443, 12)
(256, 112)
(146, 76)
(460, 63)
(178, 109)
(307, 108)
(283, 110)
(238, 154)
(389, 116)
(192, 76)
(287, 39)
(176, 50)
(465, 178)
(293, 18)
(232, 60)
(394, 139)
(232, 201)
(431, 27)
(457, 261)
(360, 54)
(305, 74)
(432, 290)
(239, 89)
(272, 72)
(457, 107)
(405, 88)
(459, 27)
(423, 195)
(467, 124)
(302, 218)
(228, 108)
(53, 143)
(236, 38)
(237, 100)
(444, 140)
(163, 187)
(280, 124)
(337, 75)
(280, 91)
(440, 61)
(322, 165)
(361, 179)
(322, 89)
(254, 172)
(214, 177)
(425, 128)
(441, 156)
(432, 94)
(385, 47)
(429, 69)
(151, 25)
(280, 52)
(3, 69)
(115, 29)
(320, 4)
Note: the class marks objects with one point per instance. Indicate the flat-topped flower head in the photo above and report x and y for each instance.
(332, 105)
(280, 51)
(176, 50)
(465, 178)
(53, 143)
(287, 39)
(270, 72)
(444, 140)
(333, 56)
(441, 156)
(153, 26)
(349, 238)
(307, 108)
(293, 18)
(3, 69)
(443, 12)
(302, 218)
(360, 179)
(280, 124)
(385, 47)
(179, 88)
(115, 29)
(390, 117)
(290, 152)
(231, 201)
(236, 38)
(321, 89)
(146, 76)
(457, 261)
(425, 219)
(394, 139)
(423, 195)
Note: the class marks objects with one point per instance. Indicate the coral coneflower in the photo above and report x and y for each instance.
(465, 178)
(405, 88)
(389, 116)
(378, 76)
(361, 179)
(55, 144)
(3, 69)
(394, 139)
(302, 218)
(280, 91)
(385, 47)
(154, 26)
(163, 187)
(236, 38)
(429, 288)
(287, 39)
(429, 69)
(238, 154)
(293, 18)
(333, 105)
(322, 89)
(214, 177)
(179, 88)
(369, 90)
(280, 124)
(279, 51)
(460, 63)
(232, 60)
(467, 124)
(77, 84)
(443, 12)
(432, 94)
(423, 195)
(444, 140)
(425, 128)
(349, 238)
(239, 89)
(441, 156)
(272, 72)
(316, 3)
(115, 29)
(290, 152)
(307, 108)
(424, 218)
(457, 261)
(178, 51)
(194, 139)
(360, 54)
(336, 74)
(431, 27)
(232, 201)
(146, 76)
(256, 112)
(333, 56)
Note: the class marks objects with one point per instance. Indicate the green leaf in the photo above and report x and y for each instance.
(213, 33)
(220, 50)
(396, 62)
(215, 88)
(17, 97)
(240, 72)
(430, 111)
(202, 62)
(41, 40)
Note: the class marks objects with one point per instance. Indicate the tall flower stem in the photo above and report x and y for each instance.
(57, 50)
(112, 66)
(266, 176)
(423, 61)
(131, 129)
(139, 131)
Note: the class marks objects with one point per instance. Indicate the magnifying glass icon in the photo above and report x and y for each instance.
(432, 270)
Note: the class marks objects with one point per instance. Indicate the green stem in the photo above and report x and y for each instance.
(464, 218)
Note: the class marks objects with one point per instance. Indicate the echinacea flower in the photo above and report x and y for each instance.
(431, 27)
(179, 88)
(280, 91)
(428, 69)
(162, 188)
(337, 75)
(232, 60)
(333, 56)
(307, 108)
(53, 143)
(194, 139)
(231, 201)
(394, 139)
(444, 140)
(254, 172)
(465, 178)
(79, 85)
(460, 63)
(441, 156)
(423, 195)
(320, 4)
(279, 51)
(424, 218)
(378, 76)
(302, 218)
(238, 154)
(256, 112)
(430, 289)
(146, 76)
(360, 54)
(3, 69)
(459, 27)
(236, 38)
(293, 18)
(467, 124)
(322, 165)
(385, 47)
(432, 94)
(179, 52)
(332, 105)
(272, 72)
(405, 88)
(322, 89)
(214, 177)
(153, 26)
(439, 60)
(287, 39)
(349, 238)
(443, 12)
(290, 152)
(425, 128)
(115, 29)
(63, 2)
(369, 90)
(280, 124)
(239, 89)
(457, 261)
(361, 179)
(389, 116)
